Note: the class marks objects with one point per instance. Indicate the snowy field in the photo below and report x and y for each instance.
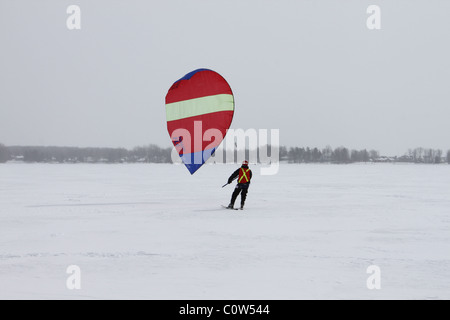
(155, 232)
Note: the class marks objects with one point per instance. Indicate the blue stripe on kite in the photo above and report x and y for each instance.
(191, 74)
(193, 161)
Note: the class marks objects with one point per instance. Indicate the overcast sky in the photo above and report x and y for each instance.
(309, 68)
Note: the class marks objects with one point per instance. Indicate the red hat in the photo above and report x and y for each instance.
(245, 163)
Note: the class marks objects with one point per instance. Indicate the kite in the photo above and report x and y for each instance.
(199, 111)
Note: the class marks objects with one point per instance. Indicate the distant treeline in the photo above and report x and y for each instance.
(155, 154)
(338, 155)
(151, 153)
(344, 155)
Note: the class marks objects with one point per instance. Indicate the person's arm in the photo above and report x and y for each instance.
(233, 176)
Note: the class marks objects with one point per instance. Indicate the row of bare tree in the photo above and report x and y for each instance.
(151, 153)
(155, 154)
(338, 155)
(423, 155)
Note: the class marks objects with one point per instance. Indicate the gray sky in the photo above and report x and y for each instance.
(309, 68)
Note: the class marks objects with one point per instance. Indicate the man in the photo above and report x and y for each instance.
(244, 175)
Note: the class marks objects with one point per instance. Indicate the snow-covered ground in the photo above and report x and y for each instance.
(155, 232)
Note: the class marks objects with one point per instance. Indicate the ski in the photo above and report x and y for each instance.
(226, 207)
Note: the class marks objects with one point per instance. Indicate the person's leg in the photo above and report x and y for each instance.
(234, 197)
(243, 197)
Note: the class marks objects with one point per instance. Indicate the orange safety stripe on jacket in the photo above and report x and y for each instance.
(244, 174)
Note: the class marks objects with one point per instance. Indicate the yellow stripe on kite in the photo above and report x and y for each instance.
(196, 107)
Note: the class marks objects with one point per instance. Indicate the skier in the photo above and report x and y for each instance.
(244, 175)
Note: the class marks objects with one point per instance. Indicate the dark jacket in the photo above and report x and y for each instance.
(236, 174)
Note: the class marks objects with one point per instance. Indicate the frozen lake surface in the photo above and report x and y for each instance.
(150, 231)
